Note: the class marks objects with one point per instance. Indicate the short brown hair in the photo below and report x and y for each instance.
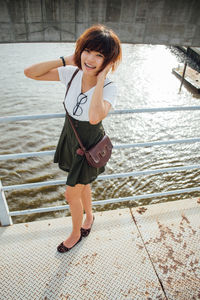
(101, 39)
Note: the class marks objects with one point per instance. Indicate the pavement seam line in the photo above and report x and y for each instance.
(160, 281)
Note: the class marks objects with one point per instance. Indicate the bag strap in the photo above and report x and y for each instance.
(69, 83)
(75, 132)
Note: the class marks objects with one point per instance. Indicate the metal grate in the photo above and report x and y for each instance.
(154, 255)
(171, 234)
(111, 263)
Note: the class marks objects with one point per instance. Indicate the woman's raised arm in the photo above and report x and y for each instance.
(99, 108)
(47, 70)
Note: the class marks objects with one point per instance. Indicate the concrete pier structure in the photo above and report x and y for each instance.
(146, 22)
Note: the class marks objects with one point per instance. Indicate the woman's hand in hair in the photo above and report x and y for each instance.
(102, 75)
(99, 107)
(69, 60)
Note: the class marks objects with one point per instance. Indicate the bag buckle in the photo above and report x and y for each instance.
(103, 153)
(80, 152)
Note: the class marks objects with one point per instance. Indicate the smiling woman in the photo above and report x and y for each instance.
(90, 95)
(104, 42)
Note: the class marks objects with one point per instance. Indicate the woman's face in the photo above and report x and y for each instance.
(91, 62)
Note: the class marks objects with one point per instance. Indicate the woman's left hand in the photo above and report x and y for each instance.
(104, 72)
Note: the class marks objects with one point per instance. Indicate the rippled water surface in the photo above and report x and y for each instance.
(144, 79)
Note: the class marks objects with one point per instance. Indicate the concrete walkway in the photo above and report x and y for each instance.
(143, 253)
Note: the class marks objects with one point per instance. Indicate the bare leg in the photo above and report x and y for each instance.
(86, 197)
(73, 197)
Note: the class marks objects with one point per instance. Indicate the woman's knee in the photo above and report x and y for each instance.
(73, 193)
(67, 196)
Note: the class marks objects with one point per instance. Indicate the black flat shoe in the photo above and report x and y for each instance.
(85, 232)
(62, 248)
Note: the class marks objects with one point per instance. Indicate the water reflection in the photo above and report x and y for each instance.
(144, 79)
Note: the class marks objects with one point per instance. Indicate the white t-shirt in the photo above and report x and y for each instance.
(77, 103)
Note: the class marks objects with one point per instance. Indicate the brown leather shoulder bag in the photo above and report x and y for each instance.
(98, 155)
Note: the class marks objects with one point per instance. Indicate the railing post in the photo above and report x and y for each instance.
(5, 219)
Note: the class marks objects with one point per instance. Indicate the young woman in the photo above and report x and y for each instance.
(89, 99)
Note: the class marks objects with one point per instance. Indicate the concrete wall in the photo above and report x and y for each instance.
(170, 22)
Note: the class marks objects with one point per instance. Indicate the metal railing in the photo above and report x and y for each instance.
(5, 214)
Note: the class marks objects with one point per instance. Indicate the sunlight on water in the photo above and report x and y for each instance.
(144, 79)
(157, 68)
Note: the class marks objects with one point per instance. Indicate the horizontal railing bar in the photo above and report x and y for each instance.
(33, 185)
(155, 109)
(158, 143)
(103, 202)
(37, 210)
(103, 177)
(30, 117)
(120, 146)
(26, 155)
(116, 112)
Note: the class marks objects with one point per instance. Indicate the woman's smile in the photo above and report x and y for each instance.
(89, 66)
(91, 60)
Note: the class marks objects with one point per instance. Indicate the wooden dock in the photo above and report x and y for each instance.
(191, 78)
(142, 253)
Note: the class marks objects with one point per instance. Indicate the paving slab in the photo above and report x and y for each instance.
(111, 263)
(171, 235)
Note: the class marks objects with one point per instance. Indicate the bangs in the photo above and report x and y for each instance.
(99, 43)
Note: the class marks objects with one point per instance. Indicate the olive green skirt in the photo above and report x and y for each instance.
(68, 160)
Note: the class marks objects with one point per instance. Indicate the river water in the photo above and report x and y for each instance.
(144, 79)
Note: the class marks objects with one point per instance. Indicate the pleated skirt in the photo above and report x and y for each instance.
(79, 172)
